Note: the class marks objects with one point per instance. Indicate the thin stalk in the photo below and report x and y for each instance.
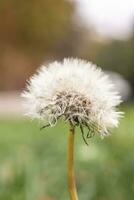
(70, 165)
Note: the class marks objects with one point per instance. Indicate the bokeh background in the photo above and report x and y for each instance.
(33, 162)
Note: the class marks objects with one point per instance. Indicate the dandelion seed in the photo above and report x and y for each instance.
(78, 92)
(75, 90)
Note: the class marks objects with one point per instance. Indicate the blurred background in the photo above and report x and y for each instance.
(33, 163)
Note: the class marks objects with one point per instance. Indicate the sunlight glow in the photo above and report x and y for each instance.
(111, 18)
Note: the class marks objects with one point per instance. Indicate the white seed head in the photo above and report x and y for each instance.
(75, 90)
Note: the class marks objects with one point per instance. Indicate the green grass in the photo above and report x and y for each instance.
(33, 162)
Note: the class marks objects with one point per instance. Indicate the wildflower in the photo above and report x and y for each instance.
(75, 90)
(78, 92)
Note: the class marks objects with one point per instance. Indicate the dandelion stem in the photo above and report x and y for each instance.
(71, 177)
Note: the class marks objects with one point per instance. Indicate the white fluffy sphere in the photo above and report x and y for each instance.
(75, 90)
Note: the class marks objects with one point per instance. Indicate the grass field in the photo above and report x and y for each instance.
(33, 162)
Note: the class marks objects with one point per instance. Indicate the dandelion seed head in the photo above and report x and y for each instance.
(76, 91)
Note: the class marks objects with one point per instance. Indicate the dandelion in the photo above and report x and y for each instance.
(78, 92)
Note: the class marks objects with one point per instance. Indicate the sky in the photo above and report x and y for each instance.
(110, 18)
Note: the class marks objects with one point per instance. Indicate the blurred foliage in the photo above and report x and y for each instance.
(34, 23)
(118, 56)
(30, 32)
(36, 31)
(33, 163)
